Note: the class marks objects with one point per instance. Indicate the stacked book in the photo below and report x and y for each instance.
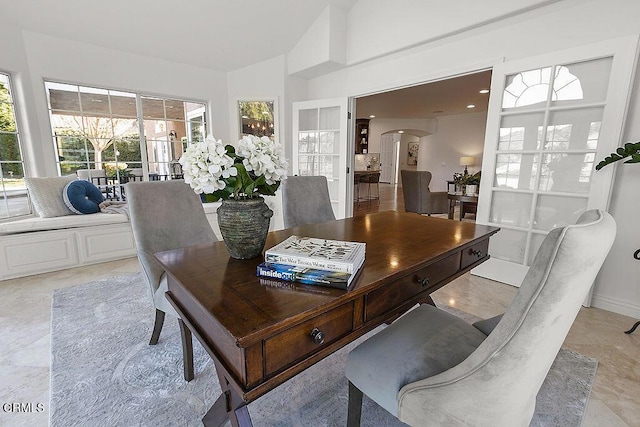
(314, 261)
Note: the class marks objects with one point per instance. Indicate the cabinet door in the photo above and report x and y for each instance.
(551, 118)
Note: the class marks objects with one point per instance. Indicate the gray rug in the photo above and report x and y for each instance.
(104, 373)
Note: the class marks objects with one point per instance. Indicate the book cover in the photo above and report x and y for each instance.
(321, 254)
(305, 275)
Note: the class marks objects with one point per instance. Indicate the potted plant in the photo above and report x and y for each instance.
(629, 150)
(239, 178)
(467, 184)
(632, 150)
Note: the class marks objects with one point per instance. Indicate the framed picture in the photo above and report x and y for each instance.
(412, 153)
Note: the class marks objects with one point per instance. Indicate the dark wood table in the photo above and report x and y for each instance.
(260, 333)
(453, 198)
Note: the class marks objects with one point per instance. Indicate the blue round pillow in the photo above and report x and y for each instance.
(82, 197)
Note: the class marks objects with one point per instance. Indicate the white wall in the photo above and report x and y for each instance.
(51, 58)
(558, 26)
(266, 80)
(618, 285)
(454, 136)
(457, 136)
(378, 27)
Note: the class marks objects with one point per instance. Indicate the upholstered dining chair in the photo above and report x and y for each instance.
(166, 215)
(305, 200)
(431, 366)
(417, 196)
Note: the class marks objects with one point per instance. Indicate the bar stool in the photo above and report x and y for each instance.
(357, 179)
(369, 179)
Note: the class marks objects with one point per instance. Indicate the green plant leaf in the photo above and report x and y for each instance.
(629, 150)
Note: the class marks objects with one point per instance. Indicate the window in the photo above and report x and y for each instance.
(13, 201)
(256, 118)
(124, 133)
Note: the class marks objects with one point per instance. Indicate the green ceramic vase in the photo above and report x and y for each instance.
(244, 225)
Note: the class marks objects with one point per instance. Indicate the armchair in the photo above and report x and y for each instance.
(417, 196)
(432, 367)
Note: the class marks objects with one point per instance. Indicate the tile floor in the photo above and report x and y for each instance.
(25, 312)
(25, 309)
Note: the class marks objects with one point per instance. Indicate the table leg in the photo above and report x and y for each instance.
(633, 328)
(461, 210)
(452, 206)
(229, 406)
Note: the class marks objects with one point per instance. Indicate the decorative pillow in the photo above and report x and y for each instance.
(82, 197)
(46, 195)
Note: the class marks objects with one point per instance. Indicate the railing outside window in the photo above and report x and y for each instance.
(123, 135)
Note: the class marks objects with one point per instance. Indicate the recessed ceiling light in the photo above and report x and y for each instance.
(372, 116)
(484, 91)
(400, 131)
(471, 106)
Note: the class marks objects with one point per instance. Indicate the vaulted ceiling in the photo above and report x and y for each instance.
(222, 35)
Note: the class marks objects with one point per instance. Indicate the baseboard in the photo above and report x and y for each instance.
(616, 306)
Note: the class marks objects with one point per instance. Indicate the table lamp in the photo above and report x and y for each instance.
(466, 161)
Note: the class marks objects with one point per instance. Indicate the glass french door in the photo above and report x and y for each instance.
(320, 146)
(551, 119)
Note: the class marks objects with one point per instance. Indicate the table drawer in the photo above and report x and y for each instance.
(474, 253)
(393, 295)
(297, 342)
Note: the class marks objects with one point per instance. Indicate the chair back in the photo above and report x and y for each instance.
(417, 196)
(165, 215)
(498, 383)
(305, 200)
(135, 174)
(96, 176)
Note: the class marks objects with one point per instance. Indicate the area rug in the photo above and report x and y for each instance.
(104, 373)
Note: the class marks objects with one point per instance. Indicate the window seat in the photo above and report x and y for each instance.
(40, 245)
(60, 222)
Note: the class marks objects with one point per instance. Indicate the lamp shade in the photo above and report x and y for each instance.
(466, 161)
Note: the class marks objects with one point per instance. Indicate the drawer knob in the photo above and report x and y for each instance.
(317, 335)
(475, 252)
(423, 281)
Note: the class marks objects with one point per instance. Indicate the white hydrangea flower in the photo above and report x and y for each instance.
(205, 163)
(263, 156)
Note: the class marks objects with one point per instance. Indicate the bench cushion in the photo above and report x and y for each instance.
(72, 221)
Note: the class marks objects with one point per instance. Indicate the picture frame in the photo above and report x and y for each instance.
(412, 153)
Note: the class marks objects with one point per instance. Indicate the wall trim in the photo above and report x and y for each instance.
(616, 305)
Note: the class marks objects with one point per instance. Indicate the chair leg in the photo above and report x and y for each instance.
(354, 410)
(157, 327)
(187, 351)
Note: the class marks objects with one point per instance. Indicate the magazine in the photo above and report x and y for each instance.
(306, 275)
(320, 254)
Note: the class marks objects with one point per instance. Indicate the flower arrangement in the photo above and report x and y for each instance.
(222, 172)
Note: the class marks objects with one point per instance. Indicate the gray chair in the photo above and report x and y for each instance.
(166, 215)
(96, 176)
(432, 367)
(305, 200)
(417, 196)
